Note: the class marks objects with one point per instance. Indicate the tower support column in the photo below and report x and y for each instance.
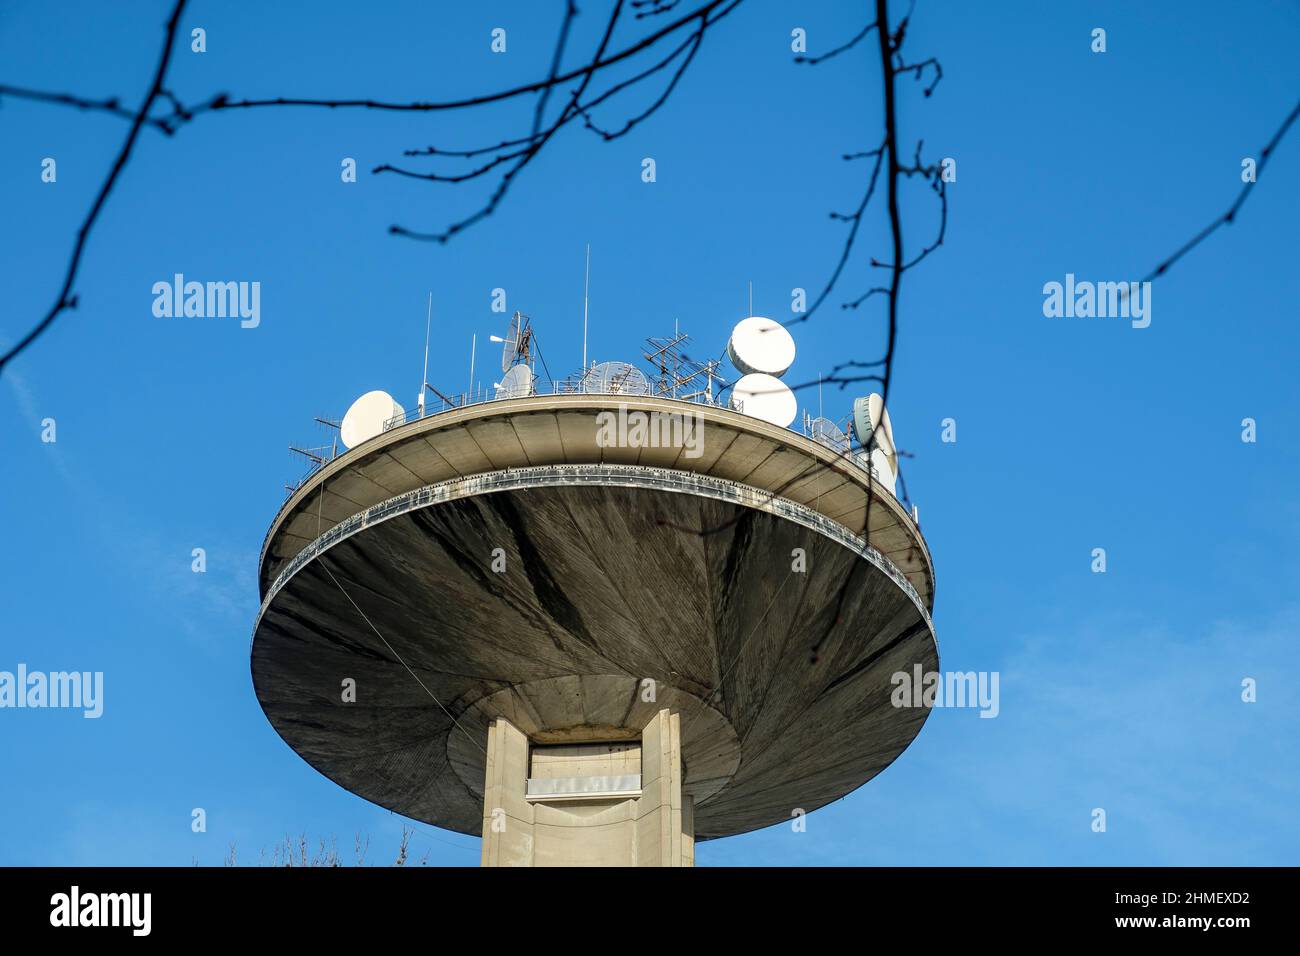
(587, 804)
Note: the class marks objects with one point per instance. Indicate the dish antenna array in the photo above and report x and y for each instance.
(763, 351)
(760, 348)
(516, 359)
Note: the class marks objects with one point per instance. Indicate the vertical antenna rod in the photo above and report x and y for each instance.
(586, 288)
(424, 376)
(473, 344)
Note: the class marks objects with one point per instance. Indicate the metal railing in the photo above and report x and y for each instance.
(444, 404)
(568, 386)
(667, 479)
(564, 387)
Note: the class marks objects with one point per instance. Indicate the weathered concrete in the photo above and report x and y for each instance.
(780, 678)
(651, 827)
(563, 429)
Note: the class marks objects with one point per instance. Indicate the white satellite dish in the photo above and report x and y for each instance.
(875, 433)
(367, 417)
(615, 378)
(884, 470)
(516, 383)
(759, 345)
(872, 427)
(766, 397)
(517, 343)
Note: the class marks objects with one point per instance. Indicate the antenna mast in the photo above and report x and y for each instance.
(473, 345)
(586, 289)
(424, 376)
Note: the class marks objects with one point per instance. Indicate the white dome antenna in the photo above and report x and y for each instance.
(767, 397)
(367, 417)
(875, 433)
(760, 346)
(516, 383)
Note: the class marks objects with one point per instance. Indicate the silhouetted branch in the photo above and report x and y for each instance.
(657, 7)
(703, 18)
(595, 66)
(112, 105)
(66, 299)
(814, 60)
(520, 152)
(886, 155)
(916, 69)
(696, 39)
(1228, 217)
(855, 220)
(570, 11)
(538, 140)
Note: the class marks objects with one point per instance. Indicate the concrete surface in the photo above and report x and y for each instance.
(564, 429)
(652, 827)
(780, 679)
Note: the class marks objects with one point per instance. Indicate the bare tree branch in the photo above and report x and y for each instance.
(112, 105)
(1230, 216)
(515, 159)
(814, 60)
(66, 299)
(532, 144)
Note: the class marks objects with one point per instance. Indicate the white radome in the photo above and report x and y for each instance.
(615, 378)
(882, 466)
(759, 345)
(766, 397)
(516, 383)
(872, 427)
(875, 433)
(367, 416)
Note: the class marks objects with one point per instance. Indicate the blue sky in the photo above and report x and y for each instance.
(1118, 690)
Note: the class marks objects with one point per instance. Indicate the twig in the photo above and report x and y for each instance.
(1230, 216)
(66, 300)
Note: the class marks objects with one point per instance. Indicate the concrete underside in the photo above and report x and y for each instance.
(781, 679)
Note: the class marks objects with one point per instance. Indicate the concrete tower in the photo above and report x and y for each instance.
(593, 653)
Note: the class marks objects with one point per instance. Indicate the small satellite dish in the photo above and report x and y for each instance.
(826, 432)
(759, 345)
(516, 383)
(367, 417)
(615, 378)
(766, 397)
